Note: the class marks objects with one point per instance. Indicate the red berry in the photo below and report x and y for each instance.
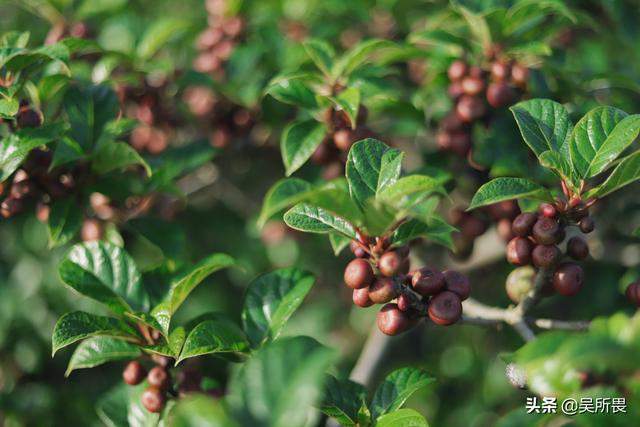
(91, 230)
(358, 274)
(457, 70)
(343, 139)
(545, 255)
(153, 399)
(472, 86)
(404, 303)
(134, 373)
(470, 108)
(159, 377)
(504, 229)
(568, 279)
(357, 249)
(523, 224)
(519, 74)
(390, 263)
(361, 298)
(500, 95)
(577, 248)
(427, 281)
(548, 210)
(633, 293)
(471, 226)
(500, 70)
(457, 283)
(451, 122)
(382, 290)
(546, 231)
(519, 251)
(392, 321)
(587, 225)
(506, 209)
(445, 308)
(455, 90)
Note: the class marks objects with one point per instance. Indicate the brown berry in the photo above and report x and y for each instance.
(506, 209)
(91, 230)
(472, 86)
(457, 283)
(472, 226)
(500, 95)
(504, 229)
(519, 251)
(133, 373)
(357, 249)
(457, 70)
(358, 274)
(548, 210)
(159, 377)
(404, 303)
(427, 281)
(324, 153)
(523, 224)
(587, 225)
(343, 139)
(546, 231)
(568, 279)
(361, 298)
(470, 108)
(390, 263)
(500, 71)
(153, 399)
(393, 321)
(382, 290)
(545, 255)
(455, 90)
(451, 122)
(633, 293)
(445, 308)
(519, 74)
(577, 248)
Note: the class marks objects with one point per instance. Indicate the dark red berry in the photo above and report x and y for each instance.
(472, 85)
(153, 399)
(427, 281)
(470, 108)
(382, 290)
(546, 231)
(358, 274)
(404, 303)
(357, 249)
(457, 70)
(500, 71)
(28, 118)
(361, 298)
(457, 283)
(545, 255)
(324, 153)
(506, 209)
(587, 225)
(159, 377)
(133, 373)
(519, 251)
(445, 308)
(519, 74)
(500, 95)
(633, 293)
(568, 279)
(455, 90)
(523, 224)
(577, 248)
(343, 139)
(504, 229)
(548, 210)
(390, 264)
(471, 226)
(451, 122)
(392, 321)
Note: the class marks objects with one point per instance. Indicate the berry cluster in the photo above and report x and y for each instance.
(380, 274)
(633, 293)
(332, 152)
(64, 29)
(216, 43)
(537, 236)
(472, 88)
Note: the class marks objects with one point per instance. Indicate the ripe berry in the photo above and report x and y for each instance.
(500, 70)
(153, 399)
(519, 251)
(471, 226)
(519, 283)
(587, 225)
(568, 279)
(457, 283)
(519, 74)
(324, 153)
(472, 85)
(577, 248)
(633, 293)
(91, 230)
(451, 122)
(404, 303)
(500, 95)
(382, 290)
(470, 108)
(548, 210)
(455, 90)
(457, 70)
(390, 263)
(460, 143)
(523, 224)
(343, 139)
(133, 373)
(159, 377)
(505, 209)
(392, 321)
(28, 118)
(445, 308)
(427, 281)
(357, 250)
(361, 298)
(10, 207)
(546, 231)
(545, 255)
(504, 229)
(358, 274)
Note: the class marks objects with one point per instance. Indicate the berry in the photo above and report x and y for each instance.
(358, 274)
(500, 95)
(470, 108)
(471, 226)
(633, 293)
(506, 209)
(357, 250)
(28, 118)
(548, 210)
(382, 290)
(10, 207)
(153, 399)
(457, 283)
(472, 85)
(587, 225)
(519, 283)
(519, 74)
(42, 212)
(392, 321)
(568, 279)
(523, 224)
(445, 308)
(404, 303)
(519, 251)
(343, 139)
(133, 373)
(455, 90)
(504, 229)
(361, 298)
(427, 281)
(159, 377)
(546, 231)
(390, 263)
(91, 230)
(457, 70)
(545, 255)
(451, 122)
(577, 248)
(323, 154)
(500, 70)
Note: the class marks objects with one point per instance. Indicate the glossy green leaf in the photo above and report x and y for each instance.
(321, 53)
(66, 151)
(299, 141)
(65, 220)
(270, 301)
(435, 229)
(213, 336)
(284, 193)
(358, 55)
(98, 350)
(293, 89)
(89, 109)
(338, 242)
(78, 325)
(312, 219)
(15, 148)
(402, 418)
(336, 200)
(625, 173)
(113, 155)
(544, 125)
(158, 34)
(167, 236)
(396, 389)
(622, 136)
(105, 273)
(500, 189)
(122, 407)
(343, 399)
(349, 101)
(409, 185)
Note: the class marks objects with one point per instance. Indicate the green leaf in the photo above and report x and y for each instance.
(321, 53)
(212, 336)
(122, 407)
(181, 288)
(337, 200)
(402, 418)
(590, 134)
(435, 229)
(270, 301)
(96, 351)
(168, 236)
(358, 55)
(201, 411)
(66, 151)
(284, 193)
(371, 167)
(312, 219)
(176, 162)
(15, 148)
(343, 399)
(292, 89)
(78, 325)
(105, 273)
(500, 189)
(394, 194)
(158, 34)
(478, 26)
(544, 125)
(396, 389)
(89, 109)
(560, 165)
(114, 155)
(90, 8)
(299, 141)
(338, 242)
(173, 344)
(8, 107)
(349, 101)
(626, 172)
(65, 221)
(623, 135)
(280, 384)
